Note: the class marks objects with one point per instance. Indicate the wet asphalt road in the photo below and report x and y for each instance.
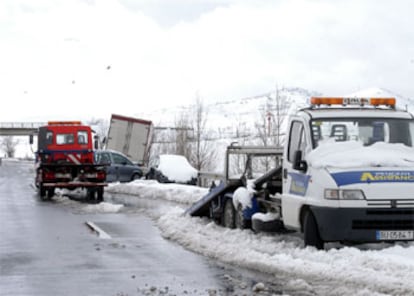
(47, 249)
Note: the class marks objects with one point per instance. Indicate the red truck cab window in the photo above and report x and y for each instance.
(82, 137)
(63, 139)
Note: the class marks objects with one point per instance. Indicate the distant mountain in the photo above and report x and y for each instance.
(237, 115)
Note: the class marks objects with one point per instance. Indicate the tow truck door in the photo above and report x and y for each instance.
(295, 178)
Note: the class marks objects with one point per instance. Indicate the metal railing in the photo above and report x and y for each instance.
(205, 179)
(19, 128)
(25, 125)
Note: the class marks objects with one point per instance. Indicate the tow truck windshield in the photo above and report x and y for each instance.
(366, 130)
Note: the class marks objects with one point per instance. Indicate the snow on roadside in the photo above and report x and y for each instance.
(185, 194)
(103, 207)
(374, 269)
(349, 270)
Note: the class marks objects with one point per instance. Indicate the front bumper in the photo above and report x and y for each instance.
(361, 224)
(72, 185)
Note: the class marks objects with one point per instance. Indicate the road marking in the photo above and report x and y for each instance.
(101, 234)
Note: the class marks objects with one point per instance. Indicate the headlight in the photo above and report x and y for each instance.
(352, 194)
(344, 194)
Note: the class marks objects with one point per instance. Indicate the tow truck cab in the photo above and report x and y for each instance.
(348, 172)
(61, 141)
(65, 159)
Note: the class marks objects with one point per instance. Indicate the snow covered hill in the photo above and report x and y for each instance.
(240, 115)
(228, 114)
(402, 102)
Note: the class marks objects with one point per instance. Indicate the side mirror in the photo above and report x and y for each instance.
(31, 139)
(96, 142)
(298, 163)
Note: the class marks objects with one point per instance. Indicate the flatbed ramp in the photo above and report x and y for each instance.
(201, 208)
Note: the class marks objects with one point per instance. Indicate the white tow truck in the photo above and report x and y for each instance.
(346, 174)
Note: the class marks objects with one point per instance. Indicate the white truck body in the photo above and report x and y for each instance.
(361, 187)
(131, 136)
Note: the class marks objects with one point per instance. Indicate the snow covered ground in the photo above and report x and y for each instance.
(369, 269)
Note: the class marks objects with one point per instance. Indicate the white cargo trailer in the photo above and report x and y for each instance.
(131, 136)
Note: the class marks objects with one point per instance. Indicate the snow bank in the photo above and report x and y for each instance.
(103, 207)
(370, 269)
(348, 270)
(151, 189)
(353, 154)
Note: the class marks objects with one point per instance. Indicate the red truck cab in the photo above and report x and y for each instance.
(65, 159)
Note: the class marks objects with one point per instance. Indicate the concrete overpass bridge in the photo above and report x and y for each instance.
(20, 128)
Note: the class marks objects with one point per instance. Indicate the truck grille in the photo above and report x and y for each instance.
(391, 203)
(386, 219)
(384, 225)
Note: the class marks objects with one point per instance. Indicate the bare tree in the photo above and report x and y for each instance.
(8, 145)
(272, 118)
(183, 135)
(282, 112)
(203, 152)
(163, 141)
(101, 127)
(273, 115)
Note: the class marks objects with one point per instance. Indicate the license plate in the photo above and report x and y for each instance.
(395, 234)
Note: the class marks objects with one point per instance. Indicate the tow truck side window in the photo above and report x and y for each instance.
(297, 139)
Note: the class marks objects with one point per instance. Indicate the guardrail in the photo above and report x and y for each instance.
(19, 128)
(206, 178)
(21, 124)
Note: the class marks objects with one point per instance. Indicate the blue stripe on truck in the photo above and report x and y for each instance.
(357, 177)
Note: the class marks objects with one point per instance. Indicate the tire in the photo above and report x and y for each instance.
(135, 177)
(50, 192)
(100, 193)
(239, 220)
(311, 233)
(90, 194)
(229, 214)
(42, 192)
(217, 218)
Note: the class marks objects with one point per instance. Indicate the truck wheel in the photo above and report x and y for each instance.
(229, 214)
(42, 192)
(50, 192)
(90, 194)
(100, 193)
(311, 232)
(213, 215)
(239, 220)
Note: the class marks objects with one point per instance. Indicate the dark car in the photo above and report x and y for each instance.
(119, 167)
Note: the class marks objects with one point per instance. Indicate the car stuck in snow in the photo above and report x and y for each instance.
(170, 168)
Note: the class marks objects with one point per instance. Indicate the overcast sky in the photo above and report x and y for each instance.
(64, 59)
